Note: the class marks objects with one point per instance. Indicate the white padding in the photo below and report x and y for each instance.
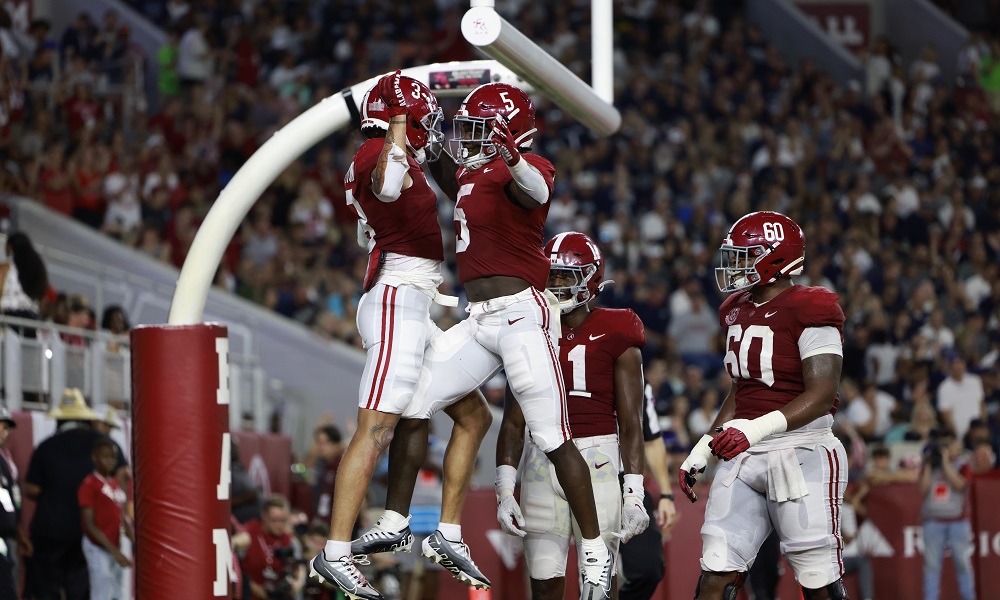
(395, 174)
(530, 180)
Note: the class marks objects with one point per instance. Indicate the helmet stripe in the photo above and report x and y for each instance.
(557, 241)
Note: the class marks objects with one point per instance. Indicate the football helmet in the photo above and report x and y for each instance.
(424, 117)
(761, 248)
(577, 255)
(472, 145)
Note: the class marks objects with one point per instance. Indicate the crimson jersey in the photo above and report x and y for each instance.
(408, 226)
(587, 354)
(762, 344)
(495, 236)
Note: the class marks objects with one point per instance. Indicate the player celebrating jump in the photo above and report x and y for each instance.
(397, 222)
(601, 361)
(502, 202)
(784, 468)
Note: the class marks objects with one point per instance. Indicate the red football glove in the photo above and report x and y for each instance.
(503, 140)
(687, 481)
(693, 466)
(728, 443)
(389, 91)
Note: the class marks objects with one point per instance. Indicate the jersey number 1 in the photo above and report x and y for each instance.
(738, 358)
(578, 358)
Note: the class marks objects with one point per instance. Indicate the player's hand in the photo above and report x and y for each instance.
(666, 516)
(738, 435)
(503, 140)
(121, 559)
(389, 91)
(693, 466)
(635, 520)
(509, 516)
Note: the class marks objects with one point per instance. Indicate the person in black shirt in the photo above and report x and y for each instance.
(10, 513)
(57, 467)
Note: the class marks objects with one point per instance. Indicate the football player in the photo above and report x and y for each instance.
(502, 200)
(601, 360)
(784, 468)
(397, 223)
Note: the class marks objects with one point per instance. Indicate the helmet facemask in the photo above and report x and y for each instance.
(431, 150)
(472, 145)
(737, 268)
(575, 294)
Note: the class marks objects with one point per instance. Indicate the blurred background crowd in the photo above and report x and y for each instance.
(894, 178)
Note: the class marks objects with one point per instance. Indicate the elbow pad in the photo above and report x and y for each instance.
(395, 174)
(530, 180)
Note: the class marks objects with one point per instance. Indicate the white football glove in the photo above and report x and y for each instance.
(635, 519)
(693, 466)
(508, 512)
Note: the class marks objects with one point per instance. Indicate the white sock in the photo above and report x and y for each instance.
(595, 548)
(451, 531)
(391, 519)
(336, 550)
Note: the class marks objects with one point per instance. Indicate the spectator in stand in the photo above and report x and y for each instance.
(102, 503)
(166, 58)
(984, 459)
(24, 278)
(195, 57)
(871, 412)
(960, 396)
(57, 468)
(881, 471)
(247, 501)
(272, 562)
(327, 450)
(944, 484)
(12, 534)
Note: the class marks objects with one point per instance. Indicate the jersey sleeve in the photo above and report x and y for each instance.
(544, 167)
(650, 420)
(627, 332)
(85, 494)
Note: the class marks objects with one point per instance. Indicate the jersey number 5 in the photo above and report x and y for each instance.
(461, 224)
(746, 360)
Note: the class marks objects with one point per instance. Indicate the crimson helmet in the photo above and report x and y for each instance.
(423, 117)
(577, 254)
(761, 248)
(473, 141)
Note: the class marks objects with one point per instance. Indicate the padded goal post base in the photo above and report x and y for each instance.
(180, 440)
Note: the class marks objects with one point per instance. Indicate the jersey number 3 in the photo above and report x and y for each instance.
(746, 359)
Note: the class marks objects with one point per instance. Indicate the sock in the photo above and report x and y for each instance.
(451, 531)
(336, 550)
(595, 548)
(392, 520)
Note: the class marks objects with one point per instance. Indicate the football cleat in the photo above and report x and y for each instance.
(344, 575)
(382, 539)
(455, 557)
(597, 577)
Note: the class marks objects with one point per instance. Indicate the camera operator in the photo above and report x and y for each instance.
(944, 485)
(273, 562)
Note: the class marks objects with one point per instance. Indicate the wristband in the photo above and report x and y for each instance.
(506, 479)
(667, 497)
(633, 485)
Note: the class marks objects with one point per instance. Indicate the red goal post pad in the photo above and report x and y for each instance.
(180, 441)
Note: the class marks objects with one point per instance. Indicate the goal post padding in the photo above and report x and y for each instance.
(180, 440)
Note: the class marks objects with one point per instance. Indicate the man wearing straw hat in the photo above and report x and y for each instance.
(58, 466)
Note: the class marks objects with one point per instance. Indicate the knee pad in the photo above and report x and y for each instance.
(730, 592)
(834, 591)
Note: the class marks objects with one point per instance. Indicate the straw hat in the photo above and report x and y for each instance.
(73, 408)
(5, 417)
(108, 415)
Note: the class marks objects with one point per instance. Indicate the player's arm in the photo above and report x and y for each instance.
(628, 405)
(390, 176)
(528, 188)
(821, 376)
(443, 171)
(510, 445)
(696, 462)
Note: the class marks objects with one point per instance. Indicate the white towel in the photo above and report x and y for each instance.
(784, 476)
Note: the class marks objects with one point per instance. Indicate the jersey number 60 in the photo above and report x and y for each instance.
(738, 358)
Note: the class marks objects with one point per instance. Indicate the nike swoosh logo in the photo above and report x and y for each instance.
(512, 321)
(770, 314)
(598, 466)
(487, 169)
(597, 337)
